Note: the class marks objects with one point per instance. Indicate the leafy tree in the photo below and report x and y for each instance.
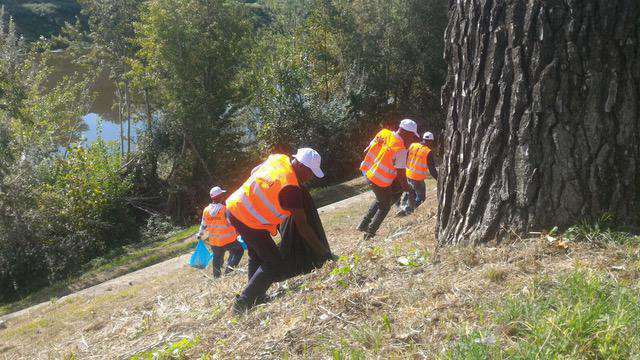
(193, 51)
(52, 204)
(328, 73)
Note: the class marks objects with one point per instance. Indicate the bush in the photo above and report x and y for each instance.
(157, 226)
(64, 213)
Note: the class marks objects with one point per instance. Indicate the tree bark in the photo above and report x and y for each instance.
(543, 121)
(128, 100)
(120, 110)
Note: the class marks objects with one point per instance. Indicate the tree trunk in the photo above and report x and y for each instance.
(120, 110)
(543, 121)
(128, 99)
(149, 112)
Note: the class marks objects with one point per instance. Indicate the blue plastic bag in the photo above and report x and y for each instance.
(201, 257)
(242, 243)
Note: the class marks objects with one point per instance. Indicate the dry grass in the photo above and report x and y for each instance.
(388, 298)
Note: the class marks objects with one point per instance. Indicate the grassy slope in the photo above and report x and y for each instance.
(394, 297)
(134, 257)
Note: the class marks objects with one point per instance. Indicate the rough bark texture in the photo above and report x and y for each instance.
(542, 100)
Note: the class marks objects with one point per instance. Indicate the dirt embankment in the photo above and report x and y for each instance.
(392, 297)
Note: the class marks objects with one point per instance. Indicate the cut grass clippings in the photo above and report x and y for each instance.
(394, 297)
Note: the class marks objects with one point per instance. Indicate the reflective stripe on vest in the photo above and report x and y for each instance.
(417, 162)
(256, 203)
(219, 231)
(378, 162)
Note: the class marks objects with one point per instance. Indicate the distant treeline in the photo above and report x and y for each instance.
(42, 17)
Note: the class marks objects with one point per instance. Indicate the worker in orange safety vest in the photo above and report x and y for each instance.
(271, 195)
(420, 163)
(221, 235)
(384, 166)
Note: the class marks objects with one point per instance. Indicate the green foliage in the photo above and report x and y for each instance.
(156, 227)
(327, 74)
(600, 232)
(583, 315)
(176, 351)
(191, 54)
(53, 205)
(81, 192)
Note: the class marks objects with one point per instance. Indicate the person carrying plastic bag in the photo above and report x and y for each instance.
(221, 235)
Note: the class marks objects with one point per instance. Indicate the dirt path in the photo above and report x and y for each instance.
(163, 268)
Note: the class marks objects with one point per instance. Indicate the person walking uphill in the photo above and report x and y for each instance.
(420, 163)
(272, 194)
(222, 236)
(384, 163)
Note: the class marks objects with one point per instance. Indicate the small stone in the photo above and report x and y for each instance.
(3, 325)
(324, 317)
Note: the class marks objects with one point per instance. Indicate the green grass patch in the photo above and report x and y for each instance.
(30, 327)
(597, 233)
(176, 350)
(330, 194)
(581, 315)
(123, 261)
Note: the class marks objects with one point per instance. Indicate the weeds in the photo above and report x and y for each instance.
(176, 350)
(600, 232)
(496, 274)
(582, 315)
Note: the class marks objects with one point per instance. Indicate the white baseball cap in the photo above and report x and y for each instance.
(311, 159)
(427, 136)
(409, 125)
(215, 191)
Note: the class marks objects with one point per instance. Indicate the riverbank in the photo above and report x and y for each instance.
(134, 257)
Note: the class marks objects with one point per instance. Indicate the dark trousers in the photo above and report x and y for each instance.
(235, 255)
(385, 197)
(266, 265)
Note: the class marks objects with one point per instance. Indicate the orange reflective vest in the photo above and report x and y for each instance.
(417, 162)
(219, 231)
(256, 202)
(378, 162)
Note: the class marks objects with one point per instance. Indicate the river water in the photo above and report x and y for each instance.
(103, 112)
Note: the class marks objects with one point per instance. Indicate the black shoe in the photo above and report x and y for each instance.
(241, 305)
(262, 299)
(363, 228)
(368, 236)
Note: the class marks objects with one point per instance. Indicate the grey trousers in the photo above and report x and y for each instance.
(416, 195)
(385, 197)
